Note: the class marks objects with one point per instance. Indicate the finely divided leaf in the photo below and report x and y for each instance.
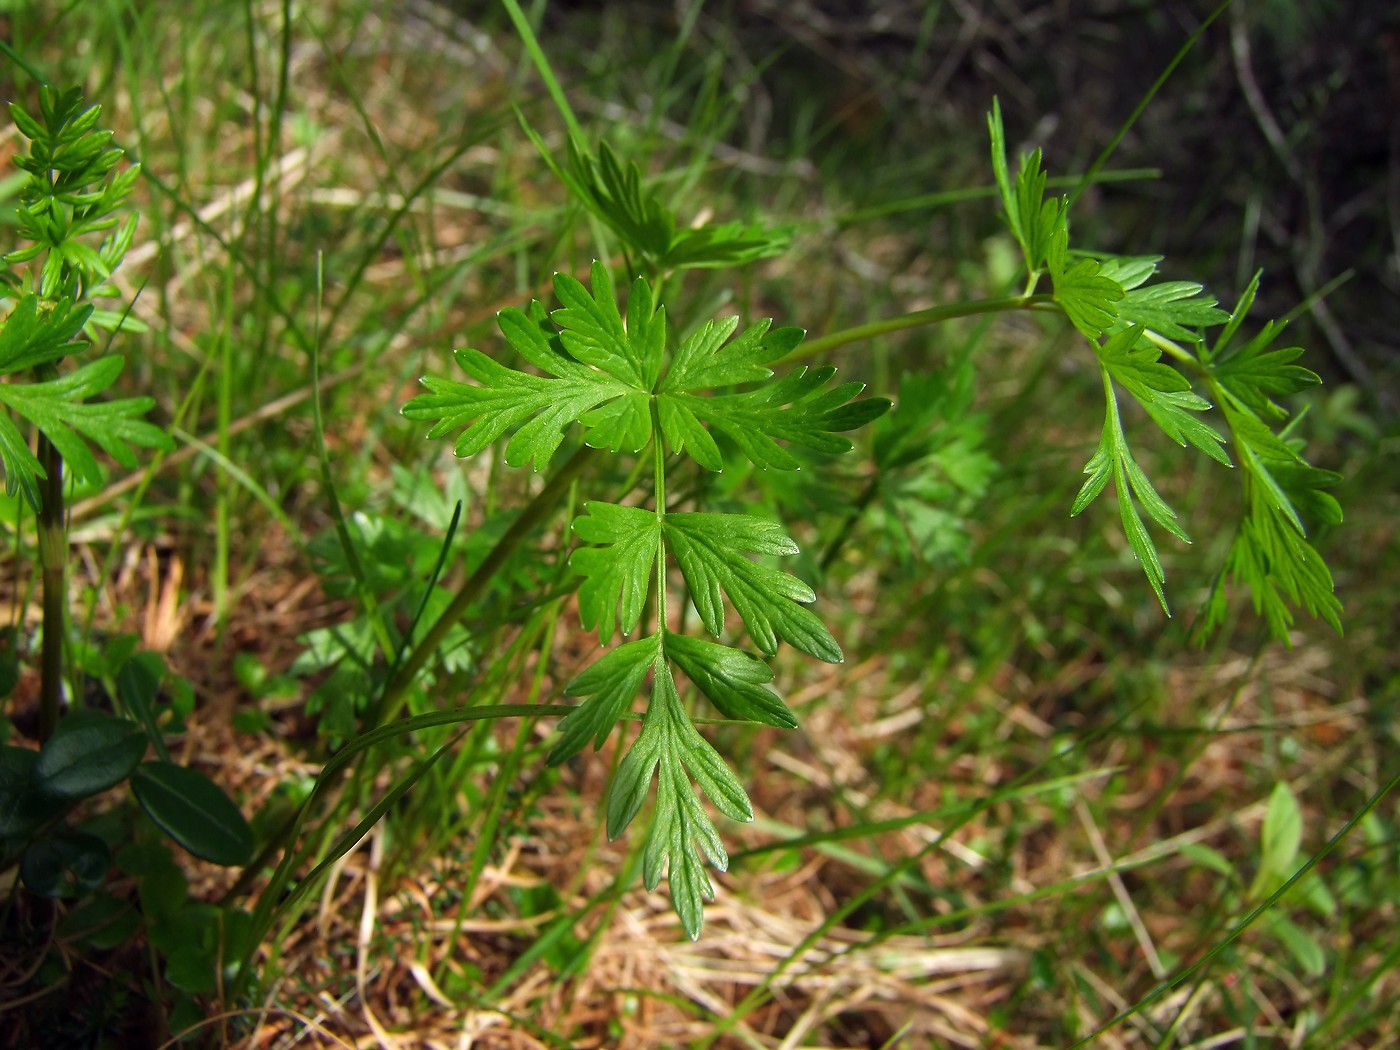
(1175, 309)
(997, 132)
(1088, 297)
(1280, 568)
(1033, 220)
(682, 835)
(1136, 365)
(713, 549)
(592, 331)
(618, 575)
(1255, 375)
(609, 684)
(1041, 219)
(1271, 554)
(728, 244)
(1130, 271)
(649, 228)
(29, 338)
(1114, 459)
(58, 408)
(704, 359)
(616, 196)
(733, 680)
(598, 372)
(795, 410)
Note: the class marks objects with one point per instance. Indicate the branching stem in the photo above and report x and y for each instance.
(919, 318)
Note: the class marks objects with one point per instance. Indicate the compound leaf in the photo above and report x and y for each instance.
(733, 680)
(1113, 459)
(30, 337)
(615, 194)
(1087, 297)
(1135, 364)
(598, 372)
(795, 410)
(618, 574)
(59, 408)
(609, 685)
(682, 836)
(1175, 309)
(1270, 552)
(713, 549)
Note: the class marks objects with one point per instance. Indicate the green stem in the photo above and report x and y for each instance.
(537, 56)
(856, 512)
(53, 557)
(535, 512)
(1177, 351)
(919, 318)
(659, 467)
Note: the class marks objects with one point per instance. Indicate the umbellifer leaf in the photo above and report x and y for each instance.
(617, 575)
(609, 686)
(713, 551)
(682, 836)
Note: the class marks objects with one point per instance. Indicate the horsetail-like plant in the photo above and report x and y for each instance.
(70, 210)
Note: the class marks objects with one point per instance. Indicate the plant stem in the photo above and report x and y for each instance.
(534, 513)
(659, 466)
(919, 318)
(53, 557)
(853, 515)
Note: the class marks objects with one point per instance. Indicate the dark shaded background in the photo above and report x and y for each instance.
(1278, 137)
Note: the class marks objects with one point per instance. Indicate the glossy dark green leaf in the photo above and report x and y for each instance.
(682, 836)
(22, 807)
(610, 685)
(734, 680)
(65, 864)
(618, 573)
(90, 752)
(194, 811)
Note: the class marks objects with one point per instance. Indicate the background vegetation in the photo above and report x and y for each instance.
(1028, 810)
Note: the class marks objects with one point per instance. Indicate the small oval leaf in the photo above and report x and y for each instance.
(194, 811)
(88, 753)
(66, 864)
(22, 809)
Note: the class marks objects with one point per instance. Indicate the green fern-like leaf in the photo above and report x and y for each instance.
(618, 383)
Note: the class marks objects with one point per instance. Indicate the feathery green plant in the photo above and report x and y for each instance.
(73, 196)
(1131, 324)
(70, 210)
(617, 380)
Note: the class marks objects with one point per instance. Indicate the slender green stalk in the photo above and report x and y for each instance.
(919, 318)
(1092, 174)
(659, 473)
(53, 558)
(537, 55)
